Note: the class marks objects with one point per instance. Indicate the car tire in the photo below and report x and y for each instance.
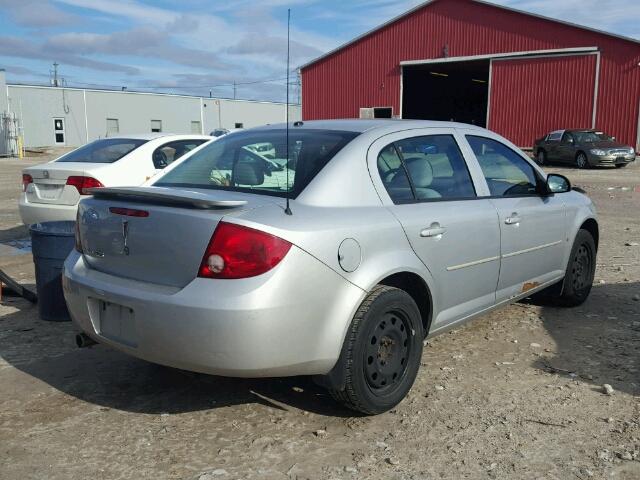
(581, 160)
(580, 272)
(621, 165)
(541, 157)
(382, 351)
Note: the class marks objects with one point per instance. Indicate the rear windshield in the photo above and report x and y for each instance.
(108, 150)
(257, 161)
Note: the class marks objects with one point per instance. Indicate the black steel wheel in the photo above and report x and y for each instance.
(387, 351)
(381, 354)
(580, 272)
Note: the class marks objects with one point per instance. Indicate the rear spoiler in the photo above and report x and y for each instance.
(171, 196)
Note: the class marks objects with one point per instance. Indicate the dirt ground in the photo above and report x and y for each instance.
(515, 394)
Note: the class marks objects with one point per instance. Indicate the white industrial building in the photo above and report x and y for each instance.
(43, 116)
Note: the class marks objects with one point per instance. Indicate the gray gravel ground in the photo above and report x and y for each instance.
(515, 394)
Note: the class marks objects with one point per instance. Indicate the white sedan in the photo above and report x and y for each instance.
(51, 191)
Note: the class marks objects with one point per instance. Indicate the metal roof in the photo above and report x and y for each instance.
(156, 135)
(429, 2)
(364, 125)
(139, 92)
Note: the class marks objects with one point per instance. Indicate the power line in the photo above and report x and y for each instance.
(232, 84)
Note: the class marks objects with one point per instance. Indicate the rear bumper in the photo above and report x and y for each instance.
(289, 321)
(31, 213)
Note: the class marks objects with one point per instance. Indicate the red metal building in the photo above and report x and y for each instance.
(519, 74)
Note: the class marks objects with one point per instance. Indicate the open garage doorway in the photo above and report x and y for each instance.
(457, 91)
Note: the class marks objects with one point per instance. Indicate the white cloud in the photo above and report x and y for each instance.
(200, 42)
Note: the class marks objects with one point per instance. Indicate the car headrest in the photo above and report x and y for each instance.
(421, 171)
(160, 159)
(248, 172)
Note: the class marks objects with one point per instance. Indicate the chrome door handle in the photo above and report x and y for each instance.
(514, 219)
(434, 230)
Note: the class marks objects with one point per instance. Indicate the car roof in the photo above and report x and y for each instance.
(366, 125)
(154, 136)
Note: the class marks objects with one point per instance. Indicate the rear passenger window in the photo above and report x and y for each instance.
(394, 176)
(425, 168)
(555, 136)
(506, 172)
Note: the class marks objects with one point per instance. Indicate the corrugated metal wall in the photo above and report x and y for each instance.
(367, 73)
(533, 95)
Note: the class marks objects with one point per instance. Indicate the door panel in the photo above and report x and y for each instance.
(533, 242)
(564, 152)
(461, 249)
(566, 149)
(532, 225)
(423, 178)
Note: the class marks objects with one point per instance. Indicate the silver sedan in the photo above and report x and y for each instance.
(333, 254)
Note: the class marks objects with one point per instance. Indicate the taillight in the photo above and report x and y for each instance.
(235, 251)
(78, 241)
(129, 212)
(82, 184)
(26, 180)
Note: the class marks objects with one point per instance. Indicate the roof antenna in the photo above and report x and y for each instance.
(288, 209)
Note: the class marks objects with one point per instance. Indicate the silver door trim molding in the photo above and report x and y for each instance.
(472, 264)
(532, 249)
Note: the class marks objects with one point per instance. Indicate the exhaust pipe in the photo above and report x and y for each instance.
(83, 340)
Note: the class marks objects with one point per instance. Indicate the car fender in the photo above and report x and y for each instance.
(376, 234)
(378, 268)
(580, 209)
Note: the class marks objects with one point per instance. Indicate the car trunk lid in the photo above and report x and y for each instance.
(50, 182)
(152, 234)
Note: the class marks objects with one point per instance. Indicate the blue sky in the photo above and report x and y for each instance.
(194, 46)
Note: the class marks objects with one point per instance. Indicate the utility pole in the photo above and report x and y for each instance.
(55, 74)
(234, 89)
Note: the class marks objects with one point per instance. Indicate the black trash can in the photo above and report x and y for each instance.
(51, 243)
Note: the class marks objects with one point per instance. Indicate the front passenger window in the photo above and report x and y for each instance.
(506, 172)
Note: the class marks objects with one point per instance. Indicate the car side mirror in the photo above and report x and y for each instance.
(558, 183)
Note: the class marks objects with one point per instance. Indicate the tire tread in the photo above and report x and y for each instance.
(348, 396)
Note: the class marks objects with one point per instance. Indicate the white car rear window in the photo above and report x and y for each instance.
(107, 150)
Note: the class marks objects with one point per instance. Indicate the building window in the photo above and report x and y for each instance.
(376, 112)
(113, 127)
(58, 131)
(196, 127)
(156, 126)
(239, 125)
